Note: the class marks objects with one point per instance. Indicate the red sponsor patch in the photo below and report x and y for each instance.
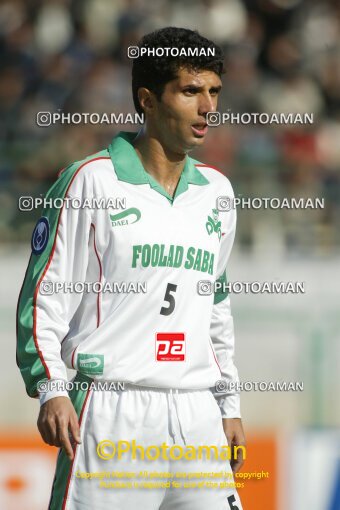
(170, 346)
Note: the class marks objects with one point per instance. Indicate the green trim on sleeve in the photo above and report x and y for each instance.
(221, 293)
(30, 359)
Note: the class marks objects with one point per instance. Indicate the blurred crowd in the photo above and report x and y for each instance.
(281, 56)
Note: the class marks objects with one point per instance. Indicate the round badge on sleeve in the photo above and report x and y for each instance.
(40, 236)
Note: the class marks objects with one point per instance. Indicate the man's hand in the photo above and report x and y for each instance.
(56, 418)
(233, 430)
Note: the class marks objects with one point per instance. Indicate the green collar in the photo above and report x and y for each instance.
(129, 168)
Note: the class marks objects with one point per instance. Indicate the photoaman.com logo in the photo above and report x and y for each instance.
(108, 449)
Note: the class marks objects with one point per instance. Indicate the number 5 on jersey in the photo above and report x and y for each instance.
(167, 310)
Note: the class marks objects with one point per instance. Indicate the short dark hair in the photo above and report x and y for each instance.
(153, 72)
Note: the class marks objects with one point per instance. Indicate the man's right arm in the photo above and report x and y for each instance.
(59, 254)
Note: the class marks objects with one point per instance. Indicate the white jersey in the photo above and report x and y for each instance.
(120, 281)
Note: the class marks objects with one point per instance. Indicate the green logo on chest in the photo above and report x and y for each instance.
(214, 224)
(127, 217)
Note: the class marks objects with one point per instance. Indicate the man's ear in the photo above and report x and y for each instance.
(146, 99)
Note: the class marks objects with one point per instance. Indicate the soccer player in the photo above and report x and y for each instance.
(171, 346)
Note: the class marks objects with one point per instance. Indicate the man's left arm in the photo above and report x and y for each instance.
(226, 390)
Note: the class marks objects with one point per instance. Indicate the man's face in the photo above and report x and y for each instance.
(179, 118)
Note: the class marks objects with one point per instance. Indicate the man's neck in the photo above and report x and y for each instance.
(164, 166)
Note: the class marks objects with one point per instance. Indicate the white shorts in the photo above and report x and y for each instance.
(149, 417)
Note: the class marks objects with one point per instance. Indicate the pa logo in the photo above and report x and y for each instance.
(40, 236)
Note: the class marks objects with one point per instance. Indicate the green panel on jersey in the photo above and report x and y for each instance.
(129, 168)
(28, 359)
(64, 464)
(221, 293)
